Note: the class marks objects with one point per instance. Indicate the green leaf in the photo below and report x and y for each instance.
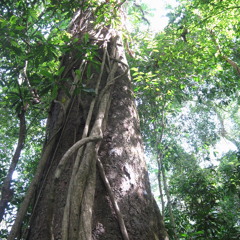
(66, 38)
(46, 73)
(60, 71)
(78, 73)
(13, 19)
(86, 38)
(20, 28)
(33, 13)
(54, 92)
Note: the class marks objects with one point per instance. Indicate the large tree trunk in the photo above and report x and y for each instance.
(72, 200)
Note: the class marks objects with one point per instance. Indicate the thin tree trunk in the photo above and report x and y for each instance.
(161, 172)
(7, 192)
(158, 145)
(223, 131)
(161, 189)
(172, 219)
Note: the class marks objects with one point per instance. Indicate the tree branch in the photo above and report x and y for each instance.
(231, 62)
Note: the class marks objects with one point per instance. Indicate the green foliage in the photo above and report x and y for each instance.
(186, 87)
(186, 82)
(31, 40)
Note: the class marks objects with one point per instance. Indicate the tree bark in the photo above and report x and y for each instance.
(72, 200)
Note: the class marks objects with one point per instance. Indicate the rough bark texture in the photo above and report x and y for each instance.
(40, 220)
(77, 206)
(122, 155)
